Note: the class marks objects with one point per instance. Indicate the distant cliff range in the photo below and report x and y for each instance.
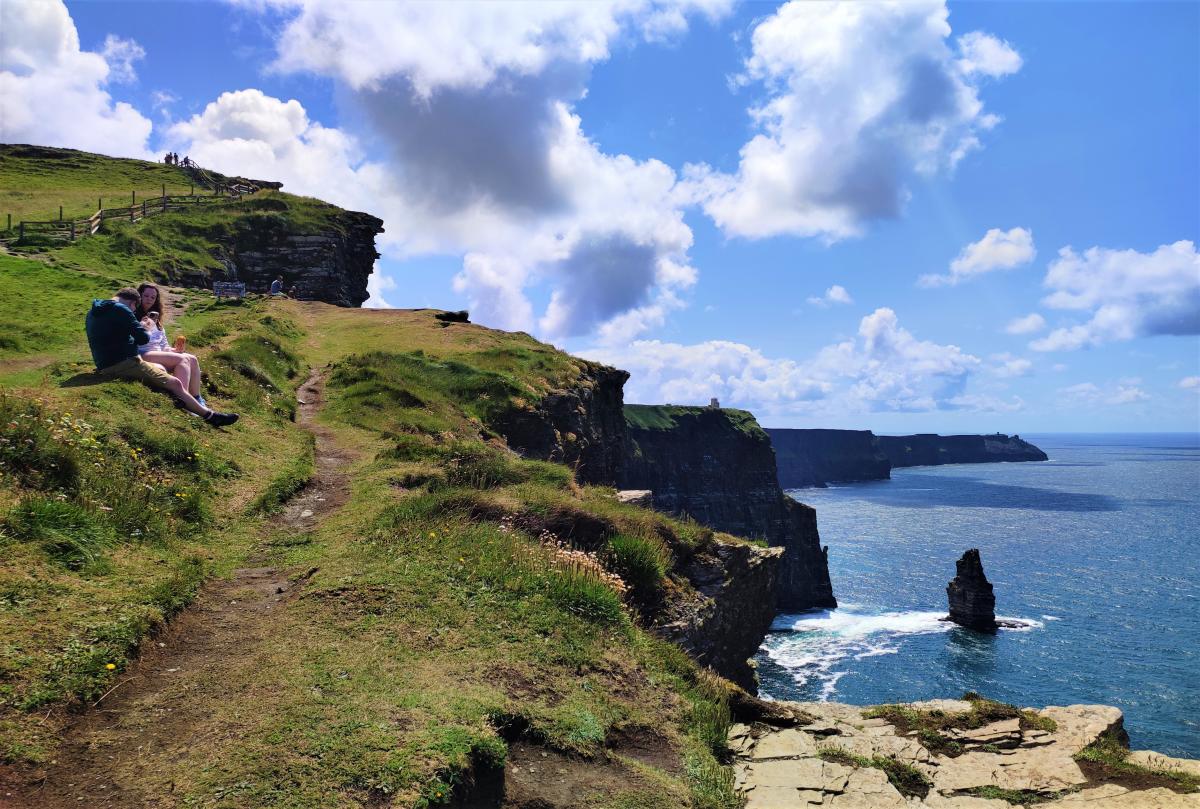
(820, 457)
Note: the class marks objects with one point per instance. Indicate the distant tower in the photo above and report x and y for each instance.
(713, 404)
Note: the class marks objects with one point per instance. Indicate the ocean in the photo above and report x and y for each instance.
(1098, 549)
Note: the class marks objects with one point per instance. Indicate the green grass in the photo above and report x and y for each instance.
(907, 779)
(667, 417)
(289, 482)
(36, 182)
(930, 725)
(1106, 759)
(1023, 797)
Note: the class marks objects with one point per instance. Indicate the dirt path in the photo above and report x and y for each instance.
(158, 706)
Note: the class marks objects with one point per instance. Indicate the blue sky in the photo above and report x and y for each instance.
(725, 199)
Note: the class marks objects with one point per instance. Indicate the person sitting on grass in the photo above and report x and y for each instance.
(181, 365)
(277, 285)
(113, 336)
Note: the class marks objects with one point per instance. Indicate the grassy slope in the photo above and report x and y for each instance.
(32, 187)
(433, 623)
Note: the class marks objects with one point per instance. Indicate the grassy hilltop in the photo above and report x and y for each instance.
(430, 630)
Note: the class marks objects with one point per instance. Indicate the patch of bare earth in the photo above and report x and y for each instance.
(120, 751)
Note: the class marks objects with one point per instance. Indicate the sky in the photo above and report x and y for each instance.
(905, 217)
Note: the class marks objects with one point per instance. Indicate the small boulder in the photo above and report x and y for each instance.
(972, 603)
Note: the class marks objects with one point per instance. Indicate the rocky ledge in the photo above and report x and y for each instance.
(849, 757)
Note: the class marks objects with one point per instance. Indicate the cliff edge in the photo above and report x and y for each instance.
(717, 467)
(927, 449)
(820, 457)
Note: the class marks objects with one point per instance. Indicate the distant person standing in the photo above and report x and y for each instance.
(277, 285)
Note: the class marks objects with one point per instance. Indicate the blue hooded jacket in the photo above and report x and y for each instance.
(113, 333)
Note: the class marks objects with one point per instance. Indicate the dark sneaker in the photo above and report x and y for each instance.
(216, 419)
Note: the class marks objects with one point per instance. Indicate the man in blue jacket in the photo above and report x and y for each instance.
(114, 334)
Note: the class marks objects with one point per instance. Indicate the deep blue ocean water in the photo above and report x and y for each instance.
(1098, 548)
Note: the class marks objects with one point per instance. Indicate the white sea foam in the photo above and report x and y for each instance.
(811, 646)
(1051, 618)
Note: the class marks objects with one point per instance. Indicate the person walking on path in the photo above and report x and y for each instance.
(114, 334)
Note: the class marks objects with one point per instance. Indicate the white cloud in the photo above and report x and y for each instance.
(835, 294)
(377, 284)
(120, 54)
(983, 53)
(1090, 394)
(466, 45)
(1129, 294)
(860, 96)
(1190, 383)
(1029, 324)
(483, 156)
(997, 250)
(884, 368)
(52, 93)
(1008, 365)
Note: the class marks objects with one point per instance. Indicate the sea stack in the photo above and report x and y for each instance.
(972, 603)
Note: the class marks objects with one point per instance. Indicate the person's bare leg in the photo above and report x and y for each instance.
(183, 372)
(194, 388)
(177, 389)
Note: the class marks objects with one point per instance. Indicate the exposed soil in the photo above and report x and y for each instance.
(110, 753)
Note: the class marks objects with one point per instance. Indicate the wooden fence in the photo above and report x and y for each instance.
(68, 230)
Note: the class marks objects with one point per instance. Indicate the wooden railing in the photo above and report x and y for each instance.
(69, 230)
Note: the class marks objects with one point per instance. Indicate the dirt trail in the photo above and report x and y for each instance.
(157, 708)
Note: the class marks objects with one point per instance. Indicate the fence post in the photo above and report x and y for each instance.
(192, 190)
(9, 222)
(164, 200)
(99, 203)
(164, 189)
(72, 230)
(22, 226)
(134, 202)
(143, 208)
(132, 209)
(59, 213)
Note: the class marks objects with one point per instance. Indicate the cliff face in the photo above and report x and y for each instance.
(818, 457)
(724, 624)
(717, 466)
(330, 264)
(927, 449)
(582, 426)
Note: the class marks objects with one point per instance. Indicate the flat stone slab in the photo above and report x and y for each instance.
(780, 769)
(1080, 725)
(788, 743)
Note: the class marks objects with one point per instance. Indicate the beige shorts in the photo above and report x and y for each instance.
(138, 370)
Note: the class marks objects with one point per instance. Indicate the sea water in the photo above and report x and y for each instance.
(1097, 550)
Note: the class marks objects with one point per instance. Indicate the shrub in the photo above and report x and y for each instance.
(68, 533)
(641, 562)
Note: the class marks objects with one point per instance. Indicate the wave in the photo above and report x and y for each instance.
(812, 646)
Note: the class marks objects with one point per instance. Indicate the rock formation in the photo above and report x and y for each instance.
(832, 759)
(723, 627)
(819, 457)
(716, 466)
(972, 603)
(582, 426)
(927, 449)
(331, 264)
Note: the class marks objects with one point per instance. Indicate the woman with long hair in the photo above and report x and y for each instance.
(181, 365)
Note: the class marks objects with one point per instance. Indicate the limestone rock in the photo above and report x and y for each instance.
(636, 497)
(1081, 725)
(972, 603)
